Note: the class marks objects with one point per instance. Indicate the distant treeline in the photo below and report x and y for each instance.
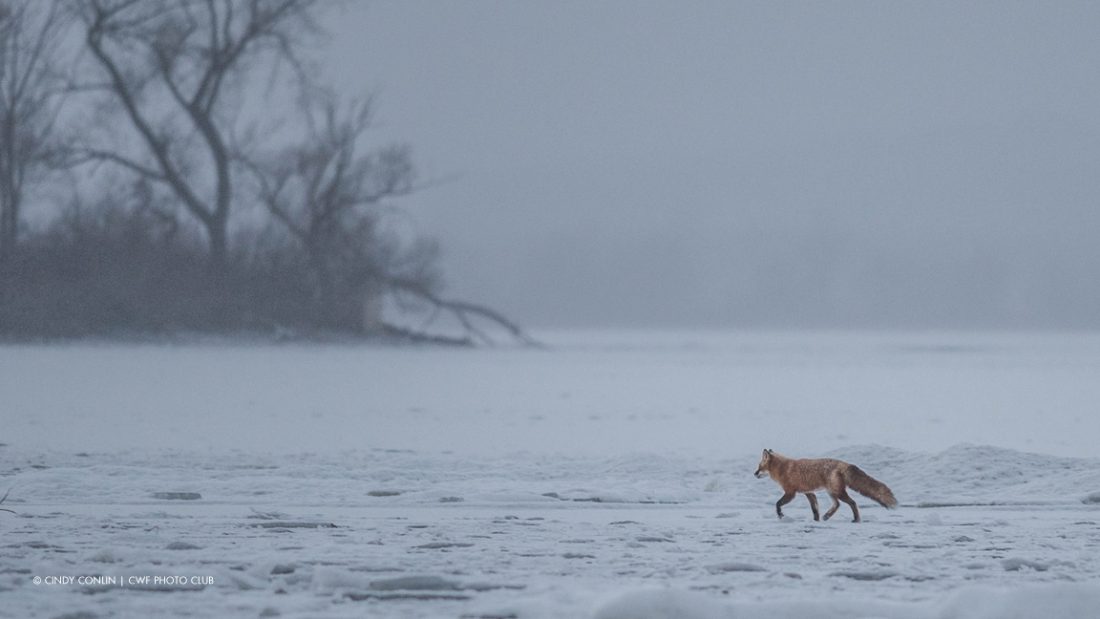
(174, 165)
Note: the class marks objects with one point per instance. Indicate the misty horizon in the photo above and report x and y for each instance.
(716, 164)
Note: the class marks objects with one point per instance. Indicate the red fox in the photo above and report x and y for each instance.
(834, 476)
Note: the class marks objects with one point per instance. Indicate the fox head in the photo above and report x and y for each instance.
(765, 463)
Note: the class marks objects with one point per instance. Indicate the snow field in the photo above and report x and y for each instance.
(406, 534)
(610, 476)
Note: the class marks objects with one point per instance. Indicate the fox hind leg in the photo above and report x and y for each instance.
(786, 498)
(843, 494)
(836, 505)
(813, 505)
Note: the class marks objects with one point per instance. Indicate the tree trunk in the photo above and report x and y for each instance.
(219, 246)
(373, 297)
(9, 218)
(9, 197)
(7, 230)
(218, 274)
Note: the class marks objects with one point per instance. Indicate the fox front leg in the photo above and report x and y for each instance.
(786, 498)
(813, 505)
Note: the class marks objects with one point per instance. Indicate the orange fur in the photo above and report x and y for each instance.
(834, 476)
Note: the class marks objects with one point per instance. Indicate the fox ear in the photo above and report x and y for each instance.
(768, 451)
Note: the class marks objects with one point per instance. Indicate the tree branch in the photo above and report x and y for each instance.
(463, 310)
(4, 498)
(87, 155)
(122, 90)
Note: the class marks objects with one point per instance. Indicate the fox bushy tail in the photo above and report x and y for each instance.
(869, 487)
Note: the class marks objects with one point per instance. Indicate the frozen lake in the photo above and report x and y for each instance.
(718, 394)
(607, 476)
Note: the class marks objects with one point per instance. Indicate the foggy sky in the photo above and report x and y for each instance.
(748, 163)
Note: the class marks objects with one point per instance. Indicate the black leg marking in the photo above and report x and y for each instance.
(832, 510)
(786, 498)
(813, 505)
(847, 499)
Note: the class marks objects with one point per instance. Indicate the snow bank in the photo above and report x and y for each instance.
(1062, 600)
(663, 604)
(1066, 601)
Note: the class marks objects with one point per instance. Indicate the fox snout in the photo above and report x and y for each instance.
(766, 460)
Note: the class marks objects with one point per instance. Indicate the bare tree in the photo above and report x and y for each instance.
(319, 189)
(329, 195)
(30, 99)
(169, 63)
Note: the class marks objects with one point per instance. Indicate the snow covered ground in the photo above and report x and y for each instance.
(609, 476)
